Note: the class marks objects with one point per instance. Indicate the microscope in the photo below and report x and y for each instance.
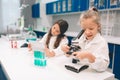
(74, 47)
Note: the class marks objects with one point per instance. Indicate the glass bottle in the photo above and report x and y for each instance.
(31, 35)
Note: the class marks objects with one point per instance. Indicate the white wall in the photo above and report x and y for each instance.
(72, 19)
(45, 21)
(1, 21)
(10, 13)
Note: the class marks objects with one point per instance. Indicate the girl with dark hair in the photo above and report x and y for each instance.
(55, 38)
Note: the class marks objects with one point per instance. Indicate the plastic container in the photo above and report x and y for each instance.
(39, 55)
(39, 58)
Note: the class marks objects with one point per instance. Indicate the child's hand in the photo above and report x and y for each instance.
(83, 55)
(65, 48)
(49, 53)
(79, 55)
(46, 51)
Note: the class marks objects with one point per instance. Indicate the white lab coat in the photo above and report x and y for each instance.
(58, 51)
(99, 48)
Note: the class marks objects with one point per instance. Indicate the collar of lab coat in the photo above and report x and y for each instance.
(94, 40)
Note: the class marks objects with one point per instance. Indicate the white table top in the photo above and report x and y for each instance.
(18, 64)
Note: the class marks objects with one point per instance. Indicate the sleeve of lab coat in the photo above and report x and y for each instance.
(58, 51)
(102, 58)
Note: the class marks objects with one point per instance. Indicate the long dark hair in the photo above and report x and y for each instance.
(63, 25)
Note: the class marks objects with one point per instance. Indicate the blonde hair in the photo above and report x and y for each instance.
(91, 13)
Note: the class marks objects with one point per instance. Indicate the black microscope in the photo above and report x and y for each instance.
(74, 47)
